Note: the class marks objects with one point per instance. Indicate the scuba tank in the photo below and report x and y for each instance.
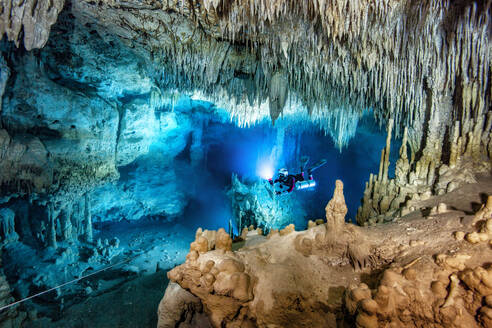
(306, 184)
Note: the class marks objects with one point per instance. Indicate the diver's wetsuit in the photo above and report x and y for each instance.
(288, 183)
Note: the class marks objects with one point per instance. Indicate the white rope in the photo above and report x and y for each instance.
(64, 284)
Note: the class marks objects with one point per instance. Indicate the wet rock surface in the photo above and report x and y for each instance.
(83, 102)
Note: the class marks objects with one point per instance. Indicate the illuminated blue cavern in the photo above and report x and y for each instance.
(132, 132)
(148, 165)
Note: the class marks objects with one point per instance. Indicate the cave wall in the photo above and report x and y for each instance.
(72, 114)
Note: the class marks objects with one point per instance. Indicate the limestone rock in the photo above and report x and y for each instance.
(34, 18)
(178, 306)
(7, 226)
(336, 209)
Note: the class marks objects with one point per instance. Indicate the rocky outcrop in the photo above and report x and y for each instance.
(10, 317)
(417, 180)
(24, 164)
(89, 114)
(180, 306)
(256, 204)
(4, 76)
(7, 226)
(420, 277)
(29, 21)
(79, 132)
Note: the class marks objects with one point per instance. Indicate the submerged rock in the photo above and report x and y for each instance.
(256, 204)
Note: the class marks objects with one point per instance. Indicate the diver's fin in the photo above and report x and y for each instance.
(318, 164)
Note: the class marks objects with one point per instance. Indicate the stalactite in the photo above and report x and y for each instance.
(320, 68)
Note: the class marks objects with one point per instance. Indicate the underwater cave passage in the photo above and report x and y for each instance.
(326, 155)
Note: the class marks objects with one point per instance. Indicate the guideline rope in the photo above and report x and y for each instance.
(64, 284)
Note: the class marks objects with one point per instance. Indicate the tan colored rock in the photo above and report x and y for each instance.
(288, 229)
(410, 274)
(459, 235)
(175, 304)
(442, 208)
(355, 295)
(453, 291)
(310, 278)
(223, 240)
(272, 233)
(311, 224)
(336, 209)
(192, 255)
(456, 261)
(366, 321)
(369, 306)
(200, 245)
(485, 212)
(304, 245)
(478, 279)
(472, 237)
(198, 232)
(33, 18)
(244, 233)
(208, 266)
(488, 300)
(211, 236)
(439, 289)
(487, 228)
(485, 316)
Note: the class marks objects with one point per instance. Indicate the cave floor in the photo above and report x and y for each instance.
(132, 304)
(125, 295)
(130, 300)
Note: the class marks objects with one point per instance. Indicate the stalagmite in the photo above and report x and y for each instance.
(387, 151)
(336, 209)
(402, 165)
(87, 219)
(66, 223)
(51, 226)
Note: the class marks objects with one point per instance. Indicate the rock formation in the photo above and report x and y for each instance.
(377, 275)
(30, 20)
(178, 304)
(85, 85)
(7, 226)
(255, 204)
(10, 317)
(417, 180)
(334, 64)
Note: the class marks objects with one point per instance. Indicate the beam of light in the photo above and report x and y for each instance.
(265, 169)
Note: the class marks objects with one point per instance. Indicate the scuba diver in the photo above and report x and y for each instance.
(286, 183)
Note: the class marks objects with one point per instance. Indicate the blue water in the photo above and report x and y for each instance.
(243, 150)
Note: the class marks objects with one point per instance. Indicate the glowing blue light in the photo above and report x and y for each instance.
(265, 170)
